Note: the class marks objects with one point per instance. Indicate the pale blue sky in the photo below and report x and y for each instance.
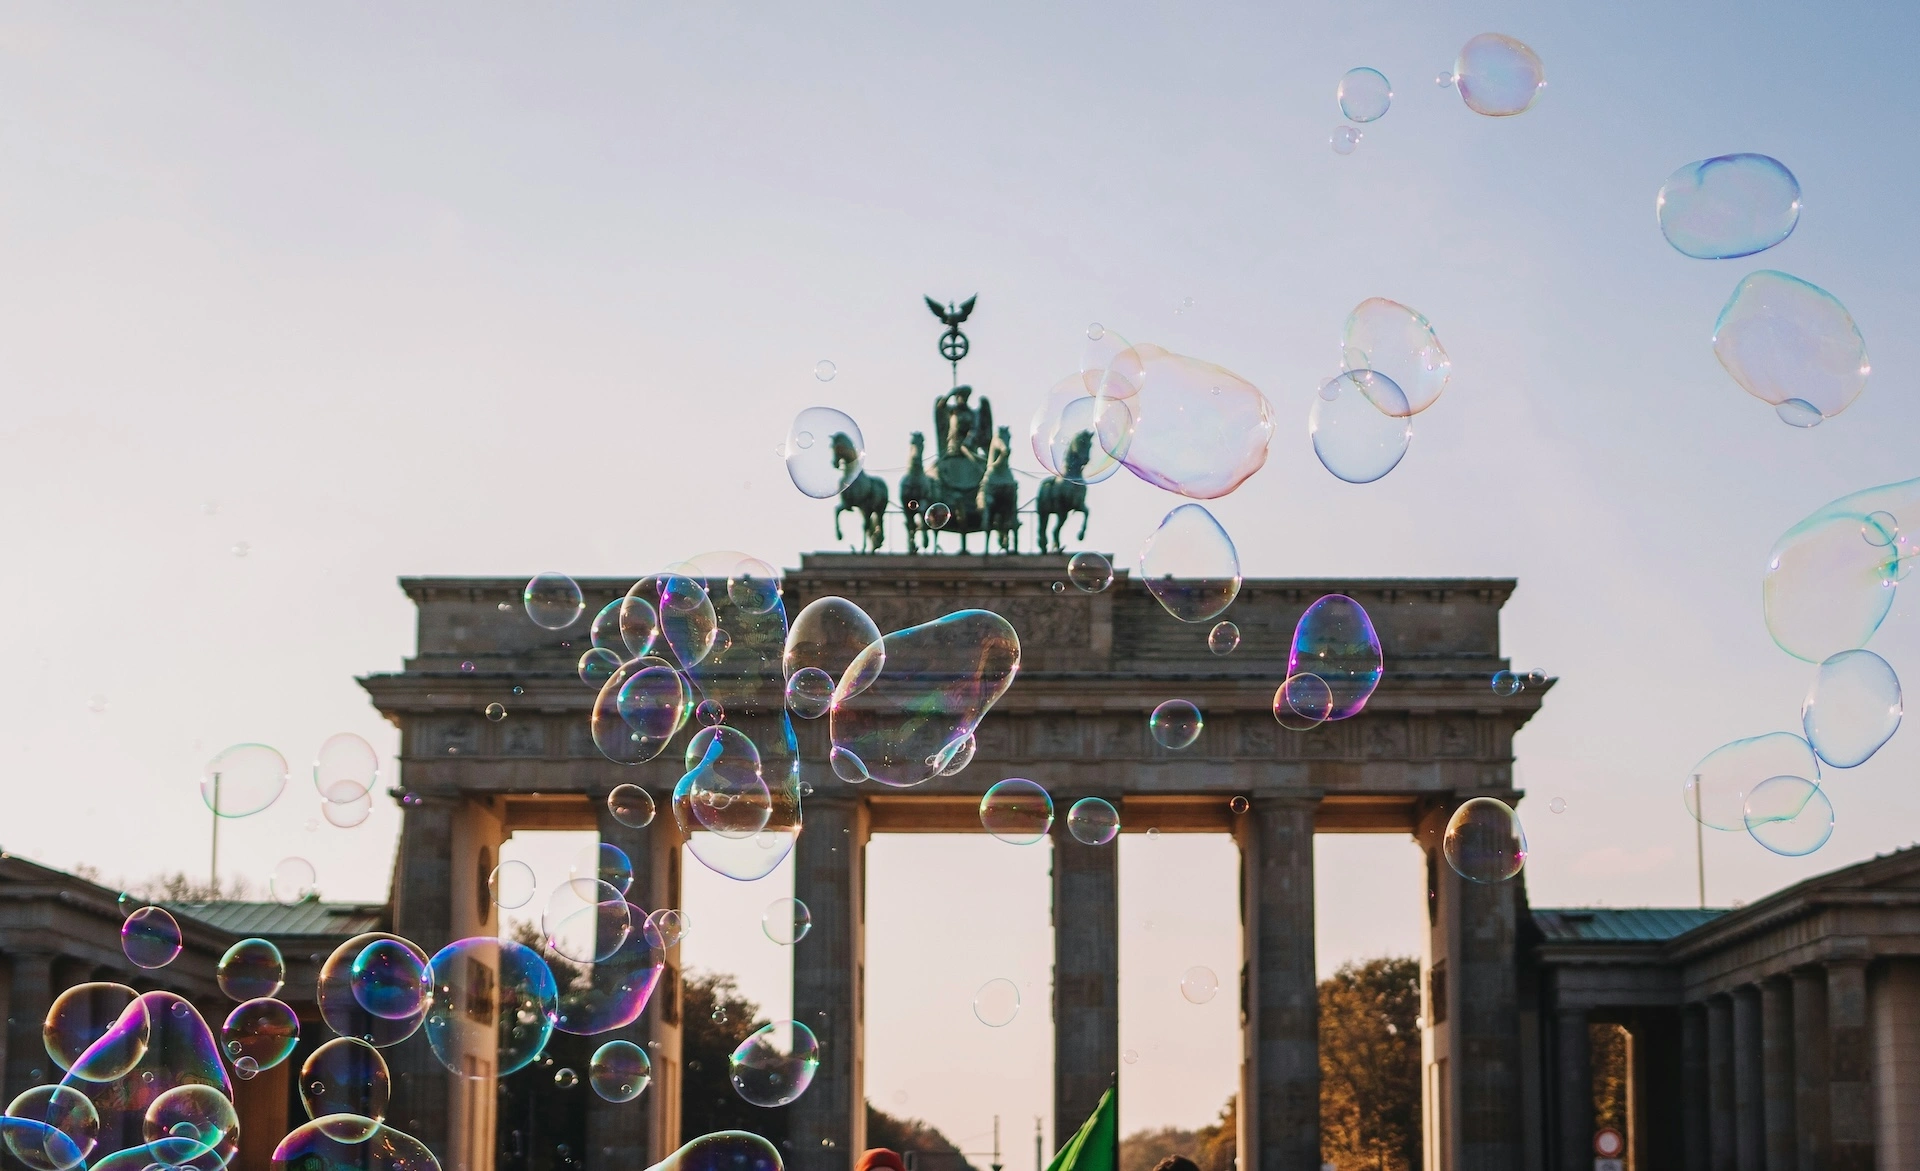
(490, 289)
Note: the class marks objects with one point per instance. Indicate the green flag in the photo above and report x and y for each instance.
(1096, 1145)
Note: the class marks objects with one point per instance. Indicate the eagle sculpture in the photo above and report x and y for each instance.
(949, 316)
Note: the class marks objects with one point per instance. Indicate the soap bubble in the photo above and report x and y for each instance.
(1335, 641)
(1716, 788)
(639, 710)
(1175, 724)
(604, 631)
(1444, 79)
(1793, 345)
(517, 987)
(345, 1076)
(243, 780)
(607, 863)
(1395, 342)
(1498, 76)
(786, 921)
(263, 1031)
(51, 1127)
(828, 635)
(810, 693)
(996, 1002)
(1830, 579)
(904, 707)
(938, 514)
(824, 451)
(1089, 572)
(620, 1071)
(1557, 805)
(671, 924)
(1190, 566)
(824, 370)
(1789, 815)
(82, 1016)
(390, 980)
(1093, 821)
(1065, 431)
(1728, 206)
(190, 1122)
(251, 968)
(774, 1065)
(565, 1078)
(343, 1012)
(1344, 140)
(150, 937)
(639, 621)
(495, 712)
(1238, 804)
(586, 921)
(1016, 811)
(631, 806)
(292, 880)
(1505, 683)
(961, 758)
(1364, 94)
(345, 768)
(1853, 707)
(346, 815)
(1199, 984)
(1484, 841)
(342, 1142)
(1224, 638)
(1360, 425)
(511, 884)
(723, 790)
(754, 586)
(124, 1082)
(1302, 701)
(725, 1150)
(553, 601)
(613, 992)
(1192, 427)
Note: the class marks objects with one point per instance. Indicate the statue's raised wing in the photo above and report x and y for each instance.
(966, 308)
(940, 414)
(940, 310)
(983, 425)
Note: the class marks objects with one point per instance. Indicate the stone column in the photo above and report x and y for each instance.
(423, 912)
(1086, 977)
(828, 1124)
(1849, 1087)
(1776, 1056)
(1486, 1026)
(1280, 999)
(1693, 1083)
(1749, 1102)
(1573, 1069)
(1721, 1131)
(30, 995)
(1896, 1062)
(1811, 1101)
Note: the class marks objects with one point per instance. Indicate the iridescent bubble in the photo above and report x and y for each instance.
(1302, 701)
(343, 1012)
(243, 780)
(345, 768)
(1793, 345)
(192, 1122)
(1393, 341)
(1199, 985)
(1728, 206)
(640, 709)
(810, 693)
(1826, 589)
(960, 757)
(521, 1000)
(1364, 94)
(150, 937)
(553, 601)
(495, 712)
(1175, 724)
(1238, 804)
(511, 884)
(725, 792)
(905, 705)
(620, 1071)
(346, 815)
(824, 370)
(1484, 841)
(1344, 140)
(1224, 638)
(51, 1127)
(786, 921)
(251, 968)
(1335, 641)
(1190, 566)
(1017, 811)
(938, 514)
(1716, 789)
(1498, 76)
(731, 1150)
(342, 1142)
(82, 1016)
(828, 635)
(1360, 425)
(1089, 572)
(1065, 431)
(612, 993)
(263, 1031)
(292, 880)
(1505, 683)
(689, 625)
(996, 1002)
(1853, 707)
(565, 1078)
(754, 586)
(609, 864)
(672, 925)
(639, 622)
(390, 980)
(604, 630)
(1192, 427)
(709, 712)
(1093, 821)
(630, 805)
(1789, 815)
(586, 921)
(775, 1065)
(824, 451)
(345, 1076)
(180, 1050)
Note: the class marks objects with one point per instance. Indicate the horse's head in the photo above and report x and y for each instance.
(1079, 452)
(917, 444)
(845, 454)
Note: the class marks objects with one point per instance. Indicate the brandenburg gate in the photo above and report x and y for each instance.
(1094, 666)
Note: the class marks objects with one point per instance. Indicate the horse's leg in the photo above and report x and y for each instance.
(1083, 522)
(836, 522)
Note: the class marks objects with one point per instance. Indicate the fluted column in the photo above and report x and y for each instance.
(1776, 1055)
(1280, 1096)
(1086, 977)
(828, 1123)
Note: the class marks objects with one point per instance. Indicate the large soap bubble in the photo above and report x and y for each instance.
(1789, 815)
(1484, 841)
(494, 1004)
(1792, 344)
(1192, 427)
(620, 1071)
(262, 1031)
(1728, 206)
(82, 1016)
(345, 767)
(1016, 811)
(1716, 789)
(250, 968)
(243, 780)
(1364, 94)
(1360, 425)
(723, 1150)
(1853, 707)
(345, 1076)
(57, 1127)
(586, 920)
(150, 937)
(389, 979)
(639, 709)
(613, 992)
(1335, 641)
(1190, 566)
(775, 1065)
(724, 791)
(908, 704)
(1392, 340)
(180, 1051)
(1065, 432)
(1830, 579)
(1498, 76)
(827, 635)
(192, 1125)
(342, 1010)
(824, 451)
(341, 1142)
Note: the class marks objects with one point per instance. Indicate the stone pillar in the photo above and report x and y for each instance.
(1776, 1057)
(1693, 1082)
(1849, 1070)
(1573, 1077)
(1749, 1102)
(30, 995)
(828, 1124)
(1280, 999)
(1486, 1028)
(1811, 1100)
(1721, 1131)
(1896, 1062)
(1086, 977)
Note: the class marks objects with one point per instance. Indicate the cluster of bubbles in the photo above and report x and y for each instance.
(1497, 76)
(1514, 682)
(1392, 367)
(245, 779)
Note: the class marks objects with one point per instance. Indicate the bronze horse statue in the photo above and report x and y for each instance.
(864, 494)
(1000, 495)
(1060, 495)
(917, 490)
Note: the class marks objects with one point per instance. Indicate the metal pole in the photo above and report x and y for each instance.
(1037, 1163)
(1699, 845)
(996, 1144)
(213, 864)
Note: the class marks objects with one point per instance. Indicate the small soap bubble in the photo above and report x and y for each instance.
(1364, 94)
(1505, 683)
(251, 968)
(97, 704)
(1058, 587)
(565, 1078)
(1131, 1056)
(243, 779)
(511, 885)
(1344, 139)
(710, 712)
(1175, 724)
(810, 693)
(620, 1071)
(1089, 572)
(1238, 805)
(496, 712)
(1096, 331)
(1224, 638)
(1444, 79)
(241, 548)
(774, 1065)
(824, 370)
(631, 806)
(292, 880)
(672, 924)
(1093, 821)
(552, 601)
(1017, 811)
(996, 1002)
(1536, 678)
(467, 667)
(938, 514)
(1190, 565)
(1360, 425)
(786, 921)
(1199, 984)
(1557, 805)
(150, 937)
(1484, 842)
(1153, 833)
(824, 451)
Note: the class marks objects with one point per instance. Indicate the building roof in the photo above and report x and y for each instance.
(1618, 925)
(311, 917)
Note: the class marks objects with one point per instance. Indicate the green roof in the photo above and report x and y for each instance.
(275, 920)
(1618, 925)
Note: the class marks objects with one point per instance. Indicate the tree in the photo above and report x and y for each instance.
(179, 888)
(910, 1134)
(1370, 1066)
(1212, 1147)
(716, 1018)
